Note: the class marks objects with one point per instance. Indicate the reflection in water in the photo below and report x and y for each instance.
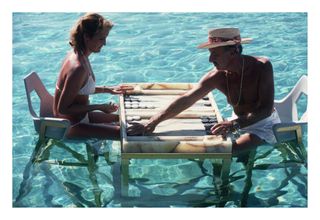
(90, 179)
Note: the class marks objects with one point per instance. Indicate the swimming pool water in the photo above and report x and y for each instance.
(156, 47)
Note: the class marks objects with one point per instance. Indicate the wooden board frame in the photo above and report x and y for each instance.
(127, 142)
(219, 148)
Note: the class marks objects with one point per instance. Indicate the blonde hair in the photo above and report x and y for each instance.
(89, 24)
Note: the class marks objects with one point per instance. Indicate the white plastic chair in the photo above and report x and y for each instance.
(290, 127)
(45, 124)
(51, 131)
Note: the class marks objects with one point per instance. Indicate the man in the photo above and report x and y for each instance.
(247, 83)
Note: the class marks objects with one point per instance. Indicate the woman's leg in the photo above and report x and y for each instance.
(101, 131)
(101, 117)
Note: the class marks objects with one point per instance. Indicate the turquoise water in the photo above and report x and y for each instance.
(149, 47)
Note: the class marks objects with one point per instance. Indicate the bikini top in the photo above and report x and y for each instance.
(89, 87)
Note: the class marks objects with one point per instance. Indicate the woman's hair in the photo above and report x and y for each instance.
(89, 24)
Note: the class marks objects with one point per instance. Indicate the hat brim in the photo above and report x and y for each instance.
(208, 45)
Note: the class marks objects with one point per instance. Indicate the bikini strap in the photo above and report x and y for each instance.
(87, 64)
(57, 87)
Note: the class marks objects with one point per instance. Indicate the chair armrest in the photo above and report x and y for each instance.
(288, 128)
(52, 127)
(55, 122)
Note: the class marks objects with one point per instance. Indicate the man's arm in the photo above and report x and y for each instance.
(180, 104)
(72, 85)
(205, 85)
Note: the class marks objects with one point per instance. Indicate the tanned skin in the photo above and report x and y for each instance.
(256, 100)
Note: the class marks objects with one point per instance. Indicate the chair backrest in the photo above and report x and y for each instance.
(287, 107)
(45, 123)
(32, 83)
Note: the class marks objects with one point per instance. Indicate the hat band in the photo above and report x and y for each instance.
(212, 40)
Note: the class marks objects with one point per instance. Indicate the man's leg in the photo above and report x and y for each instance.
(245, 143)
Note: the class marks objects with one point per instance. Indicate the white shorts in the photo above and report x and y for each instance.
(85, 120)
(263, 128)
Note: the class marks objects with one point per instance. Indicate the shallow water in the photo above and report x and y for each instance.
(149, 47)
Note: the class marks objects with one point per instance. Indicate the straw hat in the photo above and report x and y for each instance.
(224, 37)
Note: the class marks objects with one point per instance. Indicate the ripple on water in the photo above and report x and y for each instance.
(150, 47)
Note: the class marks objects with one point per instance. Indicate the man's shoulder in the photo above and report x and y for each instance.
(263, 66)
(262, 61)
(212, 78)
(215, 73)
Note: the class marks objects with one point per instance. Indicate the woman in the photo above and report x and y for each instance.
(76, 82)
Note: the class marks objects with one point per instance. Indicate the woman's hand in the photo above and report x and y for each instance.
(222, 128)
(119, 89)
(109, 108)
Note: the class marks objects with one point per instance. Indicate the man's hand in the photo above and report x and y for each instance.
(140, 129)
(222, 128)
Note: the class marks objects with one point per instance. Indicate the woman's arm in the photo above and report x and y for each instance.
(72, 85)
(113, 89)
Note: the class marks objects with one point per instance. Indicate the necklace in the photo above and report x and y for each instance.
(238, 102)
